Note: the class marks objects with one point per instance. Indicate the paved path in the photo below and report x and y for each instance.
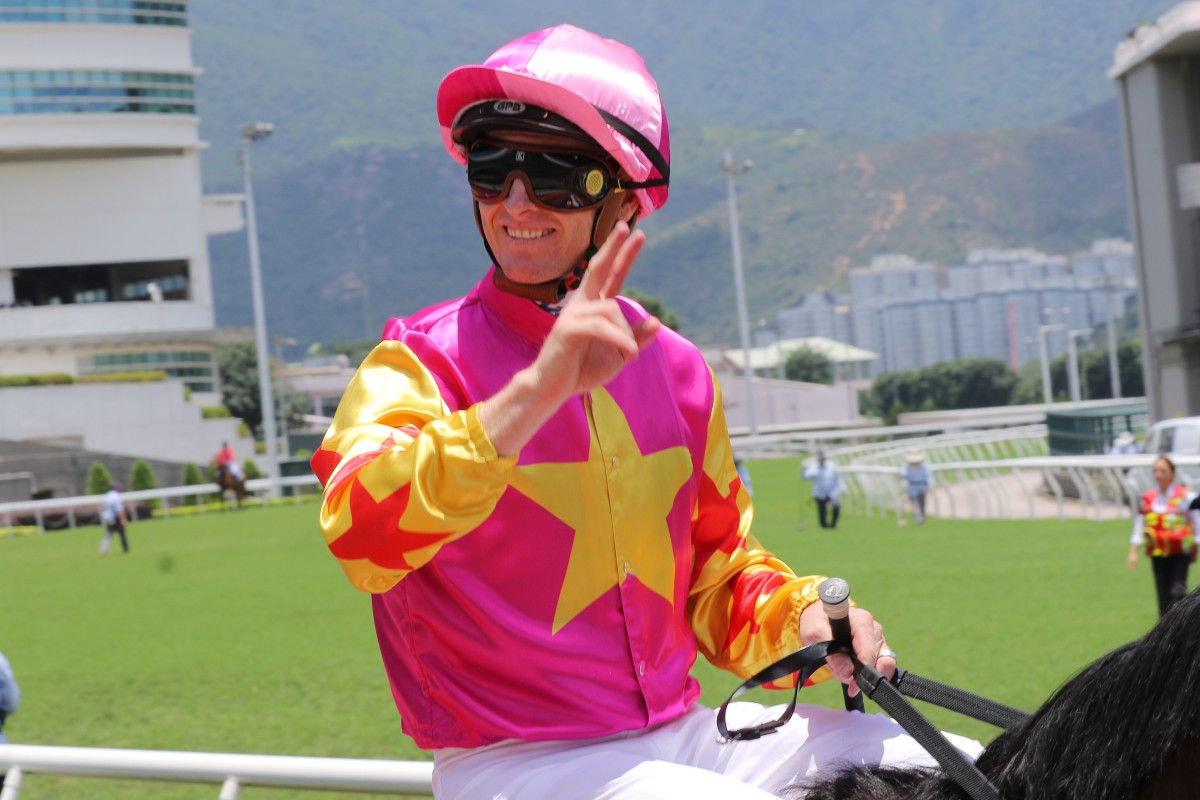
(1017, 494)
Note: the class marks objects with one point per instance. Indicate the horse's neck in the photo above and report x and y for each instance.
(1180, 777)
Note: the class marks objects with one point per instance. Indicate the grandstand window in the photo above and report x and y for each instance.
(196, 368)
(95, 92)
(94, 12)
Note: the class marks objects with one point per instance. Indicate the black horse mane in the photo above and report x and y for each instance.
(1130, 717)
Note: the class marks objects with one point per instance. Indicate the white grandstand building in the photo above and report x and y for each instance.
(104, 261)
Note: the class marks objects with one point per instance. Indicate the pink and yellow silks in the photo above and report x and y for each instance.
(563, 593)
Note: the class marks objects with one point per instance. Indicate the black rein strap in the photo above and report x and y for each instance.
(890, 696)
(957, 766)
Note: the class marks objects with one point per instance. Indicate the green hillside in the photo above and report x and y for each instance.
(399, 222)
(952, 136)
(365, 72)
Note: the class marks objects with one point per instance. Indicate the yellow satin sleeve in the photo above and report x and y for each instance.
(394, 432)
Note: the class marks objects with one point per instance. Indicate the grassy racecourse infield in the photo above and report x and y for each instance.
(237, 632)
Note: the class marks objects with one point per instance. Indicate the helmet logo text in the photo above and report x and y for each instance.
(508, 107)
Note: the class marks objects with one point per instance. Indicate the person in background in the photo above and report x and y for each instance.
(112, 514)
(1166, 524)
(10, 698)
(10, 694)
(827, 489)
(227, 462)
(744, 473)
(1123, 445)
(536, 485)
(918, 481)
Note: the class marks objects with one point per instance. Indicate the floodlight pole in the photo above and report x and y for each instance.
(1073, 361)
(1114, 368)
(254, 132)
(732, 171)
(1043, 352)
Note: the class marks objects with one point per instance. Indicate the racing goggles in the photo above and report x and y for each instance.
(557, 181)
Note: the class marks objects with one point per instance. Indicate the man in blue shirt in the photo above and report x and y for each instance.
(10, 698)
(10, 694)
(827, 488)
(112, 514)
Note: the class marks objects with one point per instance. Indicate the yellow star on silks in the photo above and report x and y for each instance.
(617, 503)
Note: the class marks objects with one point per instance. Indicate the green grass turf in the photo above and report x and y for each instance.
(237, 632)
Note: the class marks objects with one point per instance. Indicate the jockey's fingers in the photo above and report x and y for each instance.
(597, 278)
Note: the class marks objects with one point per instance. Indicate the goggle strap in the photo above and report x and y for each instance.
(606, 218)
(643, 144)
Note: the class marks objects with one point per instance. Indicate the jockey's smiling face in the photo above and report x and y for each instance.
(532, 242)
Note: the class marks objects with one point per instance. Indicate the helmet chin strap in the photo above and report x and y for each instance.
(554, 290)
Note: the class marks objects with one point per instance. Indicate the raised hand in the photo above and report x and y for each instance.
(590, 343)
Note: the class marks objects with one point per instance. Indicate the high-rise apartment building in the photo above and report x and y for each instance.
(998, 304)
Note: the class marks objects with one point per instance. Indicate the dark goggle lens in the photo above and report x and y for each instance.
(562, 181)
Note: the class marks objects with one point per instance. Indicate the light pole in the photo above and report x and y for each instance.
(253, 132)
(732, 171)
(1045, 357)
(280, 343)
(1114, 369)
(1073, 361)
(843, 311)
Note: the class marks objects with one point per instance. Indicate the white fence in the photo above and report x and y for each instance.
(974, 480)
(229, 771)
(980, 472)
(69, 509)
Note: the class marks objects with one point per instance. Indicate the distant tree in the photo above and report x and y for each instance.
(238, 364)
(142, 477)
(1095, 383)
(251, 470)
(98, 479)
(192, 476)
(807, 364)
(972, 383)
(1029, 383)
(655, 306)
(1129, 365)
(965, 383)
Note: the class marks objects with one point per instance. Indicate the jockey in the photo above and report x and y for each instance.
(536, 485)
(227, 461)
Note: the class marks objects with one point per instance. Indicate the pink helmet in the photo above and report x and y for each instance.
(598, 84)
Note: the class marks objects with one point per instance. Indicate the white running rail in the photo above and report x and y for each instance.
(229, 771)
(1029, 487)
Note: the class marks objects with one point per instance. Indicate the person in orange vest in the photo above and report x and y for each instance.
(1166, 525)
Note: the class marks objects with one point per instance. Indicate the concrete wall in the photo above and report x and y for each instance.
(137, 420)
(1157, 88)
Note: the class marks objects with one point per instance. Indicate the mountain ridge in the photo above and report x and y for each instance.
(927, 127)
(398, 223)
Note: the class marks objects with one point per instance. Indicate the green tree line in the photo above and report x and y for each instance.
(982, 383)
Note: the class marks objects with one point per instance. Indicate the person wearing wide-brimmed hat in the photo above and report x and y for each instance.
(1123, 445)
(918, 481)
